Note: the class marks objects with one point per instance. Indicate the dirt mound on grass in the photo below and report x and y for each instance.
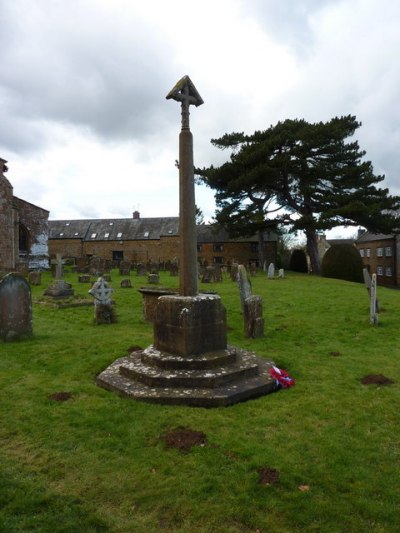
(268, 476)
(376, 379)
(184, 439)
(60, 396)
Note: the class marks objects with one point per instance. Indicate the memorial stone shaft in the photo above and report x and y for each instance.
(186, 93)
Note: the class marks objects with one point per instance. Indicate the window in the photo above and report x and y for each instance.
(362, 252)
(93, 235)
(199, 247)
(379, 271)
(117, 255)
(110, 223)
(218, 247)
(61, 234)
(119, 235)
(106, 235)
(368, 252)
(76, 234)
(379, 252)
(146, 234)
(254, 247)
(218, 260)
(388, 251)
(67, 223)
(388, 271)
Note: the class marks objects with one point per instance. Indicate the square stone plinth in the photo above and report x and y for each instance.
(189, 325)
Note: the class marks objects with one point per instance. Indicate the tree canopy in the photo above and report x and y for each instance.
(310, 171)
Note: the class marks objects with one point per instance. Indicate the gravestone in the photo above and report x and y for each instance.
(126, 284)
(244, 284)
(59, 288)
(103, 305)
(253, 269)
(217, 273)
(15, 308)
(189, 362)
(367, 282)
(141, 269)
(153, 279)
(373, 311)
(234, 271)
(125, 268)
(281, 273)
(253, 317)
(35, 278)
(208, 275)
(84, 278)
(82, 266)
(271, 271)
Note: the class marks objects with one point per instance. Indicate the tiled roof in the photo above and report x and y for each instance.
(126, 229)
(369, 237)
(114, 229)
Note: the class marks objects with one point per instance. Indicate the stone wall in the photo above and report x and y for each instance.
(20, 218)
(35, 220)
(8, 252)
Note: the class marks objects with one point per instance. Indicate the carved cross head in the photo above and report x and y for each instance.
(185, 92)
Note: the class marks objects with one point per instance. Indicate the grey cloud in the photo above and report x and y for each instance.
(88, 77)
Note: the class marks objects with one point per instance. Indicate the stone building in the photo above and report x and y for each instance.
(381, 255)
(23, 230)
(140, 240)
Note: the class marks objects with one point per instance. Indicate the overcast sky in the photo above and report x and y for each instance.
(84, 123)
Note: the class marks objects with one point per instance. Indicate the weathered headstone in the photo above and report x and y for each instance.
(234, 271)
(271, 271)
(153, 279)
(253, 269)
(15, 308)
(208, 275)
(35, 278)
(103, 305)
(84, 278)
(126, 284)
(244, 284)
(124, 268)
(253, 317)
(367, 282)
(141, 269)
(281, 273)
(373, 310)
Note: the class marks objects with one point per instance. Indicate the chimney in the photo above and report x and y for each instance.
(136, 215)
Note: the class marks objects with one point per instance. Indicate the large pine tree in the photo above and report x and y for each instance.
(312, 171)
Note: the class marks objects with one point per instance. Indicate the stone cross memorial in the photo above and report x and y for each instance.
(103, 305)
(189, 362)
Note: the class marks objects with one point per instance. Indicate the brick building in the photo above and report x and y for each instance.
(139, 239)
(381, 255)
(23, 229)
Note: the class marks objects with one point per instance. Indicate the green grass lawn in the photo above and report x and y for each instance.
(97, 462)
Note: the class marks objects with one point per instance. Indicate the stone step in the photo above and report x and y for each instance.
(244, 366)
(221, 395)
(156, 358)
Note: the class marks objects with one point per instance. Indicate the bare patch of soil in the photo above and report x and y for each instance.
(335, 354)
(184, 439)
(268, 476)
(60, 396)
(376, 379)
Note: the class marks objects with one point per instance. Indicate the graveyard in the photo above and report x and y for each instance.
(319, 456)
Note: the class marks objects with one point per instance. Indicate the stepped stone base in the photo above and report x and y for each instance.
(211, 379)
